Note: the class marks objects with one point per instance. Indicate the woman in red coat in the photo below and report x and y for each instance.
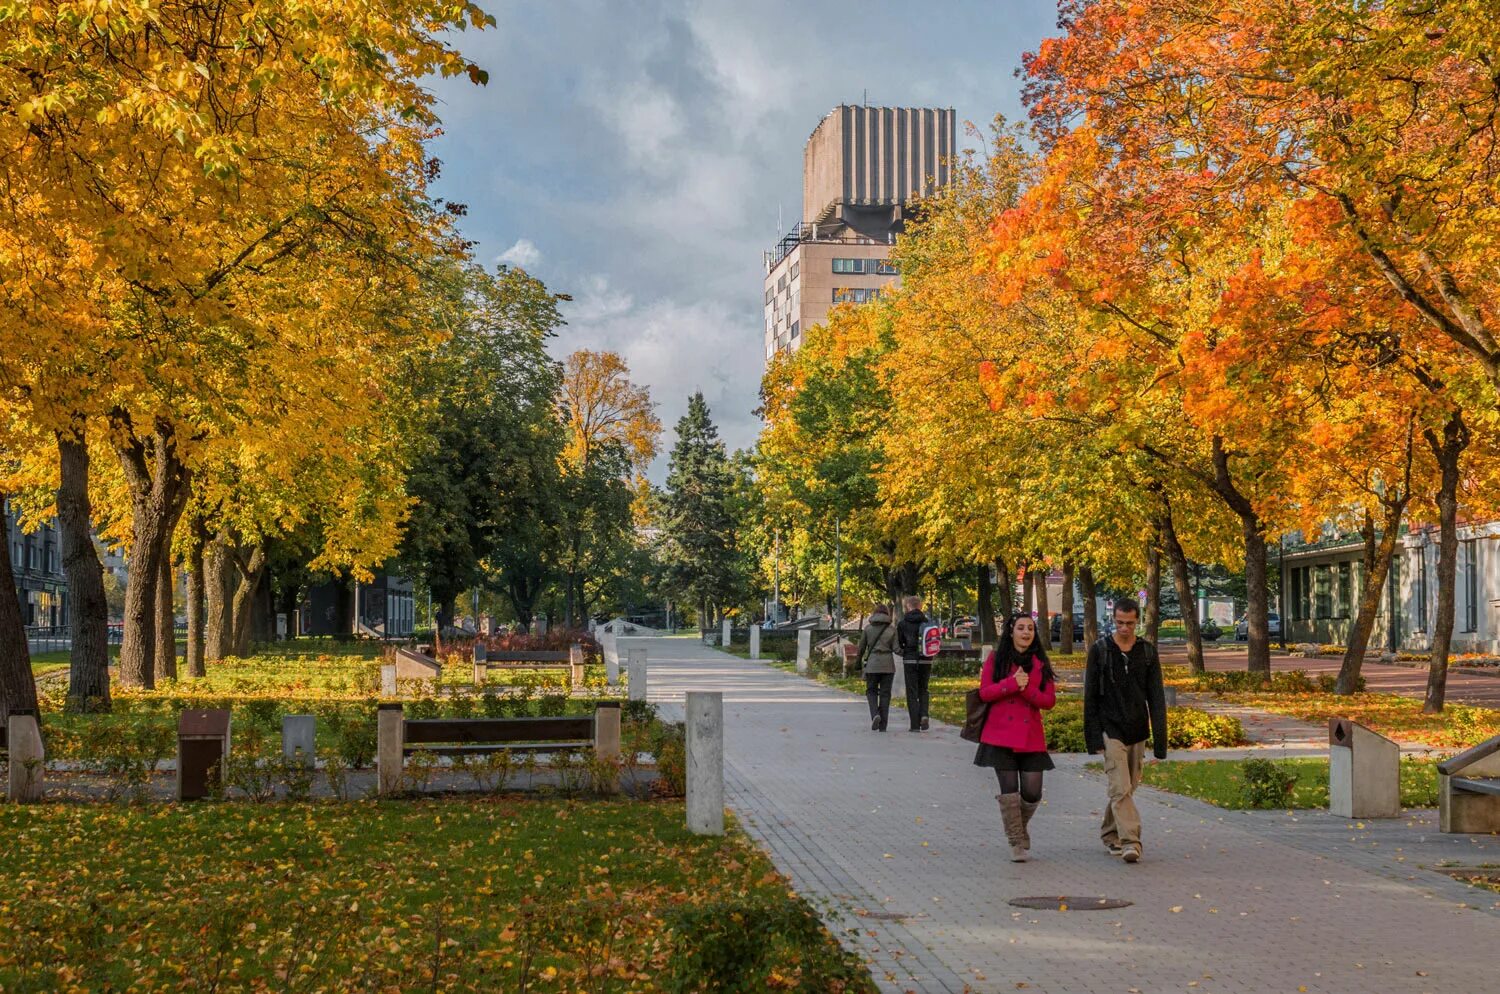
(1018, 683)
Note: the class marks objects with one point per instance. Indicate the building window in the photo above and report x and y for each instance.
(796, 328)
(885, 267)
(781, 283)
(1346, 590)
(849, 266)
(854, 295)
(52, 557)
(1471, 585)
(1322, 593)
(796, 268)
(1421, 590)
(1294, 591)
(770, 293)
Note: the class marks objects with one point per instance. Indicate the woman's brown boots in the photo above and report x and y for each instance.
(1015, 826)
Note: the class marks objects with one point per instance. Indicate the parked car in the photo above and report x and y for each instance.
(1273, 628)
(1057, 628)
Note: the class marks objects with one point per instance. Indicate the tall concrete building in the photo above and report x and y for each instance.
(861, 169)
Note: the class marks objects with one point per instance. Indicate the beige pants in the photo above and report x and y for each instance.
(1122, 768)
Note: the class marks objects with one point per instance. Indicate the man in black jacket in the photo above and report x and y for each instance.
(1123, 703)
(918, 667)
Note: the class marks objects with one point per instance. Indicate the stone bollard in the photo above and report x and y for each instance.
(575, 665)
(390, 738)
(481, 665)
(27, 757)
(705, 762)
(388, 680)
(727, 636)
(804, 649)
(539, 626)
(1364, 772)
(1171, 695)
(607, 730)
(754, 641)
(611, 650)
(635, 672)
(299, 731)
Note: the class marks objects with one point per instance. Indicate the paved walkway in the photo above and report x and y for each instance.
(898, 835)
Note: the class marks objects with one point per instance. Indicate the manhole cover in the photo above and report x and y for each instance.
(1069, 903)
(883, 916)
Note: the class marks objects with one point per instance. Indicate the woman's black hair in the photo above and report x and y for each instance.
(1007, 658)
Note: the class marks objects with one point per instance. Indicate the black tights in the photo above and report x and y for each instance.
(1029, 784)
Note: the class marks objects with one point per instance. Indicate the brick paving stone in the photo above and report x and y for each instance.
(903, 824)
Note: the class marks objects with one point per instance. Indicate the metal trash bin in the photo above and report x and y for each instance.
(1364, 772)
(202, 753)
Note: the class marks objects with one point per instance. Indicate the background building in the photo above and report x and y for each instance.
(36, 559)
(861, 169)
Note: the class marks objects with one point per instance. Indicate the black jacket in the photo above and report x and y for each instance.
(1123, 698)
(909, 636)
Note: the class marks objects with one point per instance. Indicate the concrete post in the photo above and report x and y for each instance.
(481, 665)
(540, 626)
(27, 757)
(754, 641)
(299, 731)
(575, 660)
(804, 648)
(389, 740)
(388, 680)
(607, 731)
(635, 663)
(1364, 772)
(728, 633)
(611, 650)
(705, 762)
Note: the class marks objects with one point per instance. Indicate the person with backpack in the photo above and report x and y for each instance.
(1017, 682)
(877, 652)
(1123, 703)
(919, 640)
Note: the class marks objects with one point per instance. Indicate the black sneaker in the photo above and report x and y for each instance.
(924, 724)
(874, 724)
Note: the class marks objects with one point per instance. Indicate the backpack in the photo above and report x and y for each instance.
(930, 640)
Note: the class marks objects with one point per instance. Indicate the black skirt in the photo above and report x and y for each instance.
(1006, 758)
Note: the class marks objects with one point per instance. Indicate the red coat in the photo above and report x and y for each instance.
(1015, 718)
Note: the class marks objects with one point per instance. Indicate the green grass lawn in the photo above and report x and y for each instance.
(445, 895)
(1220, 782)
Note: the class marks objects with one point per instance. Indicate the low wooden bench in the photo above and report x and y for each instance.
(1469, 789)
(572, 661)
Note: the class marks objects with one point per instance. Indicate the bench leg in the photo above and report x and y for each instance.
(389, 741)
(1464, 812)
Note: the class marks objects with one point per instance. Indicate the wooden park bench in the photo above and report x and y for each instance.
(1469, 789)
(572, 661)
(399, 738)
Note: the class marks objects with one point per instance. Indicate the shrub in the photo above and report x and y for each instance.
(552, 705)
(1189, 728)
(641, 712)
(735, 947)
(296, 775)
(336, 770)
(669, 746)
(492, 704)
(1266, 784)
(419, 769)
(356, 739)
(421, 708)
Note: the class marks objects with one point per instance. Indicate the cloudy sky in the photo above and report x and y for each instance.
(638, 154)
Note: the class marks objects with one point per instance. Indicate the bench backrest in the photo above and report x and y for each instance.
(1474, 758)
(529, 657)
(568, 728)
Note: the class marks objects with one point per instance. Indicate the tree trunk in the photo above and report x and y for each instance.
(1043, 621)
(1448, 453)
(251, 571)
(158, 484)
(1090, 606)
(1028, 591)
(1151, 610)
(17, 685)
(195, 611)
(88, 668)
(1252, 531)
(1065, 609)
(1377, 564)
(985, 607)
(166, 627)
(345, 615)
(1006, 588)
(217, 623)
(1184, 590)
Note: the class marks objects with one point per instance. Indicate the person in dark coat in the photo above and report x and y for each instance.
(877, 652)
(918, 667)
(1017, 682)
(1124, 702)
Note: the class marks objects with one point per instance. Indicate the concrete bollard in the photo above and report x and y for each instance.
(481, 665)
(28, 756)
(575, 664)
(390, 737)
(635, 672)
(299, 731)
(754, 641)
(1170, 693)
(727, 633)
(539, 626)
(611, 650)
(388, 680)
(705, 762)
(804, 649)
(607, 730)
